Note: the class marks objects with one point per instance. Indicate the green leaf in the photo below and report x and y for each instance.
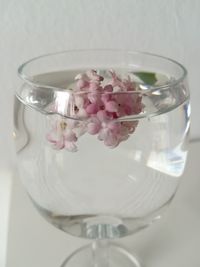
(147, 77)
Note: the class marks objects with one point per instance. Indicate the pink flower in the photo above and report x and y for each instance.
(96, 107)
(110, 133)
(81, 84)
(92, 74)
(78, 106)
(70, 136)
(102, 115)
(57, 142)
(89, 81)
(122, 85)
(71, 146)
(108, 137)
(92, 108)
(62, 136)
(111, 106)
(94, 126)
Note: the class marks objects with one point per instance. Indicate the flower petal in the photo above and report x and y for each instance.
(92, 108)
(71, 146)
(70, 136)
(111, 106)
(93, 128)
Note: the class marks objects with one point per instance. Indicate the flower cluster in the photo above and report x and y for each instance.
(96, 106)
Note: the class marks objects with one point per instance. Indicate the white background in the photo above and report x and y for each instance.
(29, 28)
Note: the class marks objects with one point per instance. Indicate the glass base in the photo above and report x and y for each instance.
(117, 256)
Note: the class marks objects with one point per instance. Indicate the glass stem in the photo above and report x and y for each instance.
(100, 251)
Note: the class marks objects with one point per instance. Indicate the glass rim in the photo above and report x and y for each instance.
(149, 88)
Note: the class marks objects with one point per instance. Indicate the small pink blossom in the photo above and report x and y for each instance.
(89, 81)
(57, 142)
(70, 136)
(62, 136)
(111, 106)
(78, 106)
(81, 84)
(71, 146)
(94, 127)
(92, 74)
(102, 115)
(92, 108)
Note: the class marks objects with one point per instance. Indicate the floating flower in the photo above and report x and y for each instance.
(61, 136)
(96, 106)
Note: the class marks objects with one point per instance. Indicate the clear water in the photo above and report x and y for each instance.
(98, 191)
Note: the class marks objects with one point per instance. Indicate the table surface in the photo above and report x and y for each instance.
(173, 241)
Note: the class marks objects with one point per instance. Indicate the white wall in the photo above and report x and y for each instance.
(32, 27)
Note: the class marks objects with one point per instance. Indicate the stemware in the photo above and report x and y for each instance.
(101, 139)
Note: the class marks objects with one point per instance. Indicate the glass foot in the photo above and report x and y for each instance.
(117, 256)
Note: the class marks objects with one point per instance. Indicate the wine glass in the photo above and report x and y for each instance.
(101, 139)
